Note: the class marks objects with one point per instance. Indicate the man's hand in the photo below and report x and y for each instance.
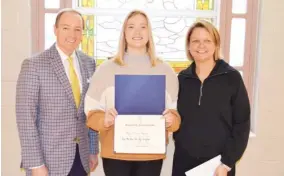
(221, 170)
(40, 171)
(93, 162)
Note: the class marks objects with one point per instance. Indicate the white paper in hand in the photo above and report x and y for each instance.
(205, 169)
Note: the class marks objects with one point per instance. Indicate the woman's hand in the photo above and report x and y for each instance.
(109, 117)
(221, 171)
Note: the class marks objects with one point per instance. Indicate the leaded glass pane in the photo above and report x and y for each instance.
(87, 44)
(51, 4)
(211, 20)
(168, 35)
(147, 4)
(237, 45)
(239, 6)
(86, 3)
(49, 37)
(204, 4)
(101, 36)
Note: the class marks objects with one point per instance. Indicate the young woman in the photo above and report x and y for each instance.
(136, 56)
(213, 104)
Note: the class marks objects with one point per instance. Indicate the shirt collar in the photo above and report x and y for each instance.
(63, 56)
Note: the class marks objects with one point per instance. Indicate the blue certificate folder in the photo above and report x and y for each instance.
(140, 94)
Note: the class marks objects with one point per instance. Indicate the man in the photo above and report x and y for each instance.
(50, 105)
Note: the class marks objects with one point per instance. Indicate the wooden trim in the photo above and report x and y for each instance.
(241, 68)
(234, 15)
(68, 3)
(62, 4)
(41, 26)
(253, 47)
(222, 29)
(38, 12)
(51, 10)
(35, 26)
(248, 38)
(228, 30)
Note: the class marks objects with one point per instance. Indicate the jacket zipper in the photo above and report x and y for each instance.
(201, 86)
(200, 94)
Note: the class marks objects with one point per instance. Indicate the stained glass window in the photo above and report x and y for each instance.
(169, 18)
(150, 4)
(204, 4)
(87, 44)
(86, 3)
(146, 4)
(168, 35)
(211, 20)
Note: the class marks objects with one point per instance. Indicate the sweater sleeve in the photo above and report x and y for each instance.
(95, 98)
(237, 143)
(96, 120)
(172, 87)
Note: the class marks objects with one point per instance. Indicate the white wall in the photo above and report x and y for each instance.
(16, 41)
(265, 155)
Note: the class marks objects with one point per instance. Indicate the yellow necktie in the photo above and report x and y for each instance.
(74, 82)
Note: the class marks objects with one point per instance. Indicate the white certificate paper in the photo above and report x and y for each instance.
(205, 169)
(140, 134)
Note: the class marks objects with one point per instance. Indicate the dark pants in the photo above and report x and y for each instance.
(114, 167)
(183, 162)
(77, 167)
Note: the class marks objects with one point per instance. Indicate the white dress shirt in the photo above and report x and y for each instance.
(64, 59)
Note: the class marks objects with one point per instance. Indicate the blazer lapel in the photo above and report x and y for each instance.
(57, 65)
(84, 74)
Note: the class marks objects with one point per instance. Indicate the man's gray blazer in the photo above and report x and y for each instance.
(49, 123)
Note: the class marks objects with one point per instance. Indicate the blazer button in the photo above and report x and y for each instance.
(76, 140)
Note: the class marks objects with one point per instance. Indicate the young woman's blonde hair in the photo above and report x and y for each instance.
(123, 45)
(213, 33)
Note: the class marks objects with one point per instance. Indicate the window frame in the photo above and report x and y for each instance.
(250, 52)
(38, 12)
(224, 24)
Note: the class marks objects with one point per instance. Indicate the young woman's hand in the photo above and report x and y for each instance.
(109, 117)
(169, 117)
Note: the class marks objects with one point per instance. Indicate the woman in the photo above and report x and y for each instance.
(213, 105)
(136, 56)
